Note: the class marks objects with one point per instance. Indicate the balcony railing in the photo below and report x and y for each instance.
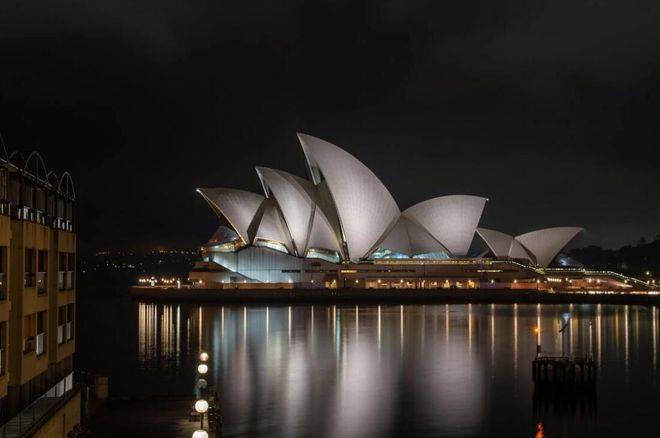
(41, 282)
(25, 423)
(41, 344)
(62, 224)
(60, 280)
(29, 279)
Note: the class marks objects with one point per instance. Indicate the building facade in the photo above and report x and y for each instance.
(37, 286)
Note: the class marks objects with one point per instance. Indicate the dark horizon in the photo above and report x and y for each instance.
(548, 110)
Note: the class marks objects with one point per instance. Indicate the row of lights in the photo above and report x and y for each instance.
(162, 280)
(201, 405)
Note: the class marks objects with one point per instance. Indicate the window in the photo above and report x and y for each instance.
(43, 260)
(61, 324)
(40, 196)
(71, 266)
(62, 271)
(29, 267)
(69, 321)
(28, 191)
(29, 326)
(40, 346)
(71, 262)
(42, 266)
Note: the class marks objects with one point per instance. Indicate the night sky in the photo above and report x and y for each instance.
(549, 109)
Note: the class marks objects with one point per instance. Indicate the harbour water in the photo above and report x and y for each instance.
(388, 370)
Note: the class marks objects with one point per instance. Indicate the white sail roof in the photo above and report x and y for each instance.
(451, 220)
(406, 237)
(517, 251)
(545, 244)
(237, 206)
(365, 208)
(222, 235)
(502, 244)
(321, 235)
(294, 196)
(498, 242)
(397, 239)
(271, 226)
(421, 241)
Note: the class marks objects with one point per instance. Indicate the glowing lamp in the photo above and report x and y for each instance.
(203, 356)
(200, 434)
(201, 406)
(202, 368)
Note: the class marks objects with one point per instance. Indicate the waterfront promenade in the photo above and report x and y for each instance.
(390, 295)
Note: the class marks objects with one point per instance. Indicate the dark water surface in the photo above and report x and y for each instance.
(391, 370)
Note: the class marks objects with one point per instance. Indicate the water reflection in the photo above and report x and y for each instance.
(392, 369)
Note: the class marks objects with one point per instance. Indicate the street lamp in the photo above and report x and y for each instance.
(202, 368)
(203, 356)
(200, 434)
(201, 406)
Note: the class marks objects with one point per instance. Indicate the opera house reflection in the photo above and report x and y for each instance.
(384, 370)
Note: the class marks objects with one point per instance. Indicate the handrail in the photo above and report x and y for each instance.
(27, 421)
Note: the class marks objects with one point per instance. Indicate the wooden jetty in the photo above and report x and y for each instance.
(564, 371)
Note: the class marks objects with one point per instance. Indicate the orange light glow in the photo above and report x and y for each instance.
(539, 431)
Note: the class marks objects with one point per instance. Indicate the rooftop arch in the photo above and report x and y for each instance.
(66, 187)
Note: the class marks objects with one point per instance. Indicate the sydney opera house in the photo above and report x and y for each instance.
(340, 227)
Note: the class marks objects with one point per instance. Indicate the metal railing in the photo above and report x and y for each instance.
(27, 421)
(41, 283)
(41, 344)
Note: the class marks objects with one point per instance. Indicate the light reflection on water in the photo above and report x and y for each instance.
(448, 370)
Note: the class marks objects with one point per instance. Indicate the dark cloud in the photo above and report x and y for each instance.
(547, 108)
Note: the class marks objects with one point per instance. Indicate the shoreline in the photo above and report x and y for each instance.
(504, 296)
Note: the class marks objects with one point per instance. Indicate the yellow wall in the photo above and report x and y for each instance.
(26, 235)
(62, 422)
(62, 241)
